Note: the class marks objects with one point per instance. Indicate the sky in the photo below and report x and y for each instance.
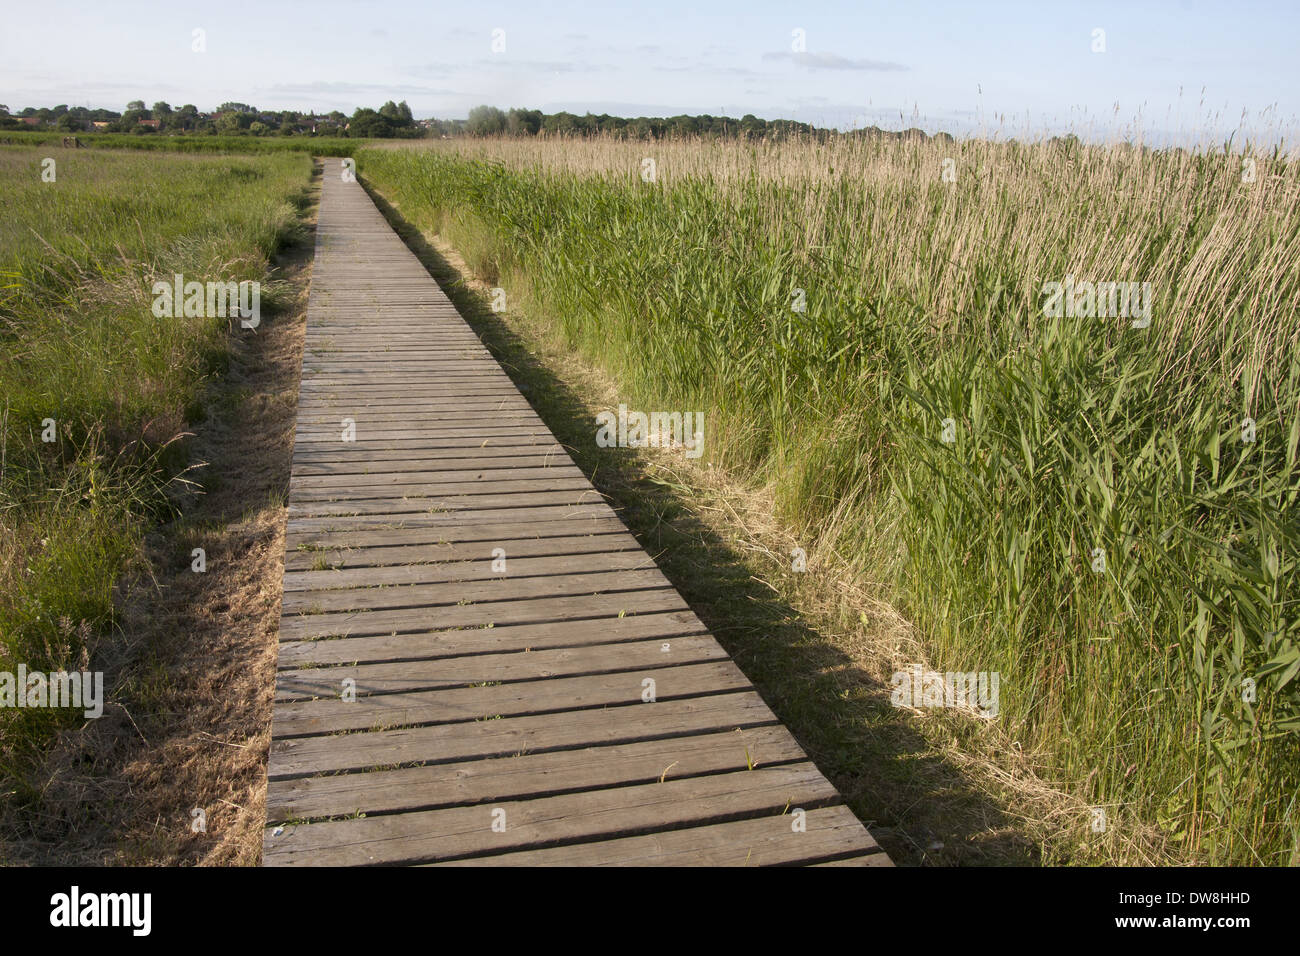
(1183, 70)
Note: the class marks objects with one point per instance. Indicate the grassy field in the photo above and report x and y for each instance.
(1099, 509)
(192, 143)
(83, 348)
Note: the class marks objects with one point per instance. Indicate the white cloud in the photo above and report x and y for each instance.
(831, 61)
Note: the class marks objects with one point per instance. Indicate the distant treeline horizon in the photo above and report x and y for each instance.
(394, 121)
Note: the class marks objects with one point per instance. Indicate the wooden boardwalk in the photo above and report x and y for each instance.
(430, 709)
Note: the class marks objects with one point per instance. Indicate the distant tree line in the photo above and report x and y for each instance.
(490, 121)
(390, 120)
(394, 120)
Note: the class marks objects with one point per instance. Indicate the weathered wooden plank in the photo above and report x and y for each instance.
(504, 588)
(335, 379)
(878, 858)
(592, 555)
(352, 623)
(520, 516)
(757, 842)
(345, 549)
(480, 389)
(390, 367)
(531, 775)
(332, 434)
(479, 669)
(661, 625)
(332, 561)
(459, 832)
(372, 490)
(400, 479)
(327, 413)
(443, 743)
(318, 389)
(333, 447)
(417, 416)
(422, 451)
(486, 458)
(417, 505)
(421, 708)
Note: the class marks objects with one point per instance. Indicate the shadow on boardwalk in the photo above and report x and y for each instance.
(919, 806)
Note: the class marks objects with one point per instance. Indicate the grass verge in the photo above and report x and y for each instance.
(124, 391)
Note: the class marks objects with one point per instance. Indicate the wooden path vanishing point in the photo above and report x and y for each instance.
(498, 719)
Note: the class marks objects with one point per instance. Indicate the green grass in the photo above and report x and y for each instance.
(79, 344)
(189, 143)
(923, 304)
